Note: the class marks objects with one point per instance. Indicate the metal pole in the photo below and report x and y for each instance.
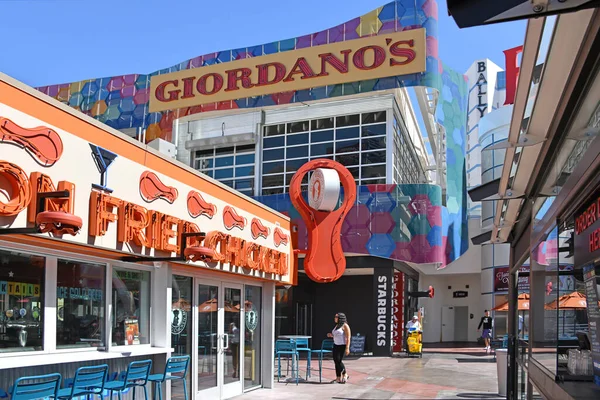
(511, 373)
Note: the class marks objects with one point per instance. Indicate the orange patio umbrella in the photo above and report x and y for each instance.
(571, 301)
(523, 300)
(210, 306)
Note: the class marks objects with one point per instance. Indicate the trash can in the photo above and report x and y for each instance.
(501, 366)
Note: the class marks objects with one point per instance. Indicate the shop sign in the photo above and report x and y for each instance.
(382, 281)
(397, 311)
(147, 228)
(19, 289)
(501, 276)
(79, 293)
(587, 232)
(374, 57)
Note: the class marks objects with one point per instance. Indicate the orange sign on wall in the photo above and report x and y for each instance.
(374, 57)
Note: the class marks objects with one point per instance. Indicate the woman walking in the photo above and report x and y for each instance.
(341, 346)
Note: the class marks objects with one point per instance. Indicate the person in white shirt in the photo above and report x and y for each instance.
(414, 323)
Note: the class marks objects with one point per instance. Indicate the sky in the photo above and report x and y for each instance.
(46, 42)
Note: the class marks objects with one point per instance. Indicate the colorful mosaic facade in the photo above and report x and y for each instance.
(122, 101)
(400, 222)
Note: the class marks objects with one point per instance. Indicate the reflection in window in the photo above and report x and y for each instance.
(21, 302)
(80, 296)
(131, 305)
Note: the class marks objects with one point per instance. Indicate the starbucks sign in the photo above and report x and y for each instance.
(178, 321)
(251, 318)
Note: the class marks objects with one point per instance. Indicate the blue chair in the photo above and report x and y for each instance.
(87, 381)
(287, 348)
(302, 345)
(176, 368)
(36, 387)
(3, 394)
(326, 348)
(136, 376)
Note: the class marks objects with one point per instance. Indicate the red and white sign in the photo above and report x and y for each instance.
(324, 189)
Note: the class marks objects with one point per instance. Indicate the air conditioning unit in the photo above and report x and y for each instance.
(166, 148)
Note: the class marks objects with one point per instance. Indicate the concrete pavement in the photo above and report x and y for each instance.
(439, 375)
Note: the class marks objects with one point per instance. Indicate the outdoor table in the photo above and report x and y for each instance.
(295, 337)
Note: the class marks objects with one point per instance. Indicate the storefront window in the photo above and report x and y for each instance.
(253, 333)
(21, 302)
(80, 304)
(131, 307)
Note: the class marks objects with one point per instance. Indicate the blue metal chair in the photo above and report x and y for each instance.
(302, 345)
(326, 348)
(36, 387)
(3, 394)
(176, 368)
(136, 376)
(87, 381)
(287, 348)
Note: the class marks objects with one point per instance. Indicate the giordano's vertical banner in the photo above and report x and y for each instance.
(394, 54)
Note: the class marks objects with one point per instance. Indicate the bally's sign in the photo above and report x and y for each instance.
(393, 54)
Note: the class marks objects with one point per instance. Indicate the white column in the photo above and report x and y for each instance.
(49, 309)
(268, 335)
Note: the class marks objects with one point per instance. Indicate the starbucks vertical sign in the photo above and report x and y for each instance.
(591, 291)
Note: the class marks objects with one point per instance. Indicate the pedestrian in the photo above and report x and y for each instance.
(414, 323)
(341, 346)
(234, 332)
(487, 323)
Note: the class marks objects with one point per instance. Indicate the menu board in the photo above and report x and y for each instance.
(591, 290)
(357, 344)
(132, 332)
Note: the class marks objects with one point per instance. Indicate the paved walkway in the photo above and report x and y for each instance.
(440, 375)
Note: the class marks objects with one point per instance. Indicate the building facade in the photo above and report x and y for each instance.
(105, 260)
(255, 143)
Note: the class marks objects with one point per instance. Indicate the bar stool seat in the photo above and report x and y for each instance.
(176, 368)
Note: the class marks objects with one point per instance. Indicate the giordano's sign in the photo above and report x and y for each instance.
(395, 54)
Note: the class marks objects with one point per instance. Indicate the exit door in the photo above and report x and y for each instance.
(448, 324)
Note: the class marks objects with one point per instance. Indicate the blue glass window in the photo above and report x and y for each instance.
(224, 173)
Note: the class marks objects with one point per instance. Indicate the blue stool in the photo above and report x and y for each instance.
(326, 348)
(87, 381)
(302, 345)
(136, 376)
(36, 387)
(287, 348)
(175, 365)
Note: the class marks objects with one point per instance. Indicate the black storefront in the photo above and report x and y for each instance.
(366, 294)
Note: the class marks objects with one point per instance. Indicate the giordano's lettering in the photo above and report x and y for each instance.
(136, 224)
(396, 54)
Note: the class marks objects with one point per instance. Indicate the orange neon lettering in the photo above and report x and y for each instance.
(167, 233)
(102, 212)
(132, 224)
(41, 183)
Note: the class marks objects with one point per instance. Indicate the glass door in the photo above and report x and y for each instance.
(233, 346)
(219, 368)
(207, 368)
